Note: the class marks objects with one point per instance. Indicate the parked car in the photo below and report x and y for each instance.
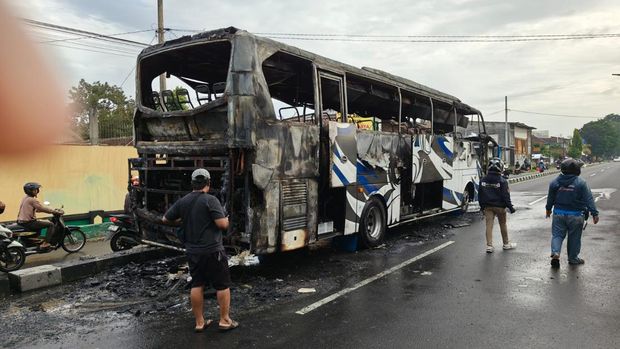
(617, 159)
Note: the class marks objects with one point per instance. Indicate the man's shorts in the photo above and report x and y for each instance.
(212, 267)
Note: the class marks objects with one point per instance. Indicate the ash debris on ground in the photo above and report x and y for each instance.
(158, 290)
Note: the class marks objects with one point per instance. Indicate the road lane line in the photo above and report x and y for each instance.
(592, 175)
(365, 282)
(537, 200)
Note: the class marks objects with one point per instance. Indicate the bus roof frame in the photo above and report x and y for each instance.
(230, 33)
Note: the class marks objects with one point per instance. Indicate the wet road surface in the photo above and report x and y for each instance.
(458, 296)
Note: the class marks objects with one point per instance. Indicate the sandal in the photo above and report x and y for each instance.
(205, 325)
(233, 324)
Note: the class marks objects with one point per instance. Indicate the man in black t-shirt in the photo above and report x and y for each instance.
(203, 220)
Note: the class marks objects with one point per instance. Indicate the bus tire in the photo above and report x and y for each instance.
(373, 223)
(467, 197)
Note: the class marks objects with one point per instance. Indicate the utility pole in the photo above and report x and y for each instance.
(506, 139)
(160, 38)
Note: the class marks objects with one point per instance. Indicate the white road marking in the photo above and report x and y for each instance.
(603, 193)
(537, 200)
(365, 282)
(592, 175)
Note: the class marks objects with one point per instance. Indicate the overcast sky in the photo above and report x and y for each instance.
(570, 77)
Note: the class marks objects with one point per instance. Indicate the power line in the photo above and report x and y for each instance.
(551, 114)
(495, 112)
(84, 33)
(119, 49)
(90, 50)
(134, 67)
(447, 40)
(425, 38)
(88, 37)
(440, 36)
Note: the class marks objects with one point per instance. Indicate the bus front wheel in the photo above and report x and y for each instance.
(373, 223)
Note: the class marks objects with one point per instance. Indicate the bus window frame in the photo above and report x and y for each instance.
(320, 73)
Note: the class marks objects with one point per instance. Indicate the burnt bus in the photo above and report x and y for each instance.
(300, 147)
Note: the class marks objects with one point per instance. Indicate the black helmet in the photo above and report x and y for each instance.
(30, 187)
(571, 167)
(495, 165)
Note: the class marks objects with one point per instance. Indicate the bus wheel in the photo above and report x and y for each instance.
(373, 223)
(466, 199)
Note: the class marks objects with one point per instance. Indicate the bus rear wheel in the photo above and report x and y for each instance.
(373, 223)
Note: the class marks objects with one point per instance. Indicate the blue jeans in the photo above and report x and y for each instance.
(563, 224)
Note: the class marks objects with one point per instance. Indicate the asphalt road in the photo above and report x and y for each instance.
(455, 296)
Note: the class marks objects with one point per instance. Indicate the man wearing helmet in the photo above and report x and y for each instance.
(570, 198)
(27, 213)
(494, 198)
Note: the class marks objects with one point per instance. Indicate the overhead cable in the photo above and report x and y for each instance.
(551, 114)
(87, 34)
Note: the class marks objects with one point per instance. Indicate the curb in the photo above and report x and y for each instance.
(546, 173)
(55, 274)
(532, 176)
(5, 286)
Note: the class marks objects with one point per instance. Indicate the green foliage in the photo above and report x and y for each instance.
(113, 108)
(603, 136)
(576, 145)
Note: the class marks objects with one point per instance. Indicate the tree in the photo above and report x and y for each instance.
(576, 145)
(603, 135)
(113, 109)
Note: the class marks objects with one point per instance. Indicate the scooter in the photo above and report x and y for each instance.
(69, 238)
(12, 255)
(122, 233)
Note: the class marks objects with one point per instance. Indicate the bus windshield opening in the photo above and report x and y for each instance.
(195, 75)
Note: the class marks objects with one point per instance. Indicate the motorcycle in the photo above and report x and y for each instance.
(70, 238)
(12, 255)
(122, 233)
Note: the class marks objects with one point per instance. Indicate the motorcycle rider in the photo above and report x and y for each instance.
(27, 213)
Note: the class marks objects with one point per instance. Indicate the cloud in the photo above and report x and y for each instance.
(562, 77)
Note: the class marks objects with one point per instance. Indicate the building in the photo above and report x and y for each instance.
(519, 146)
(551, 147)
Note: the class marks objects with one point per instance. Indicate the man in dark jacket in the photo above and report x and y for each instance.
(494, 198)
(570, 197)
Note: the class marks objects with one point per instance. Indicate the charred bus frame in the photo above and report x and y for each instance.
(300, 147)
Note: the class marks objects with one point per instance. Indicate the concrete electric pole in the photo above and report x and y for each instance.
(506, 139)
(160, 38)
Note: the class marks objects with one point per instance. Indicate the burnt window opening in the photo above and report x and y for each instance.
(291, 87)
(332, 106)
(371, 102)
(195, 75)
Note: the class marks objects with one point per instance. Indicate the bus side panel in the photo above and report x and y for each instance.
(379, 168)
(342, 141)
(284, 152)
(465, 172)
(432, 158)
